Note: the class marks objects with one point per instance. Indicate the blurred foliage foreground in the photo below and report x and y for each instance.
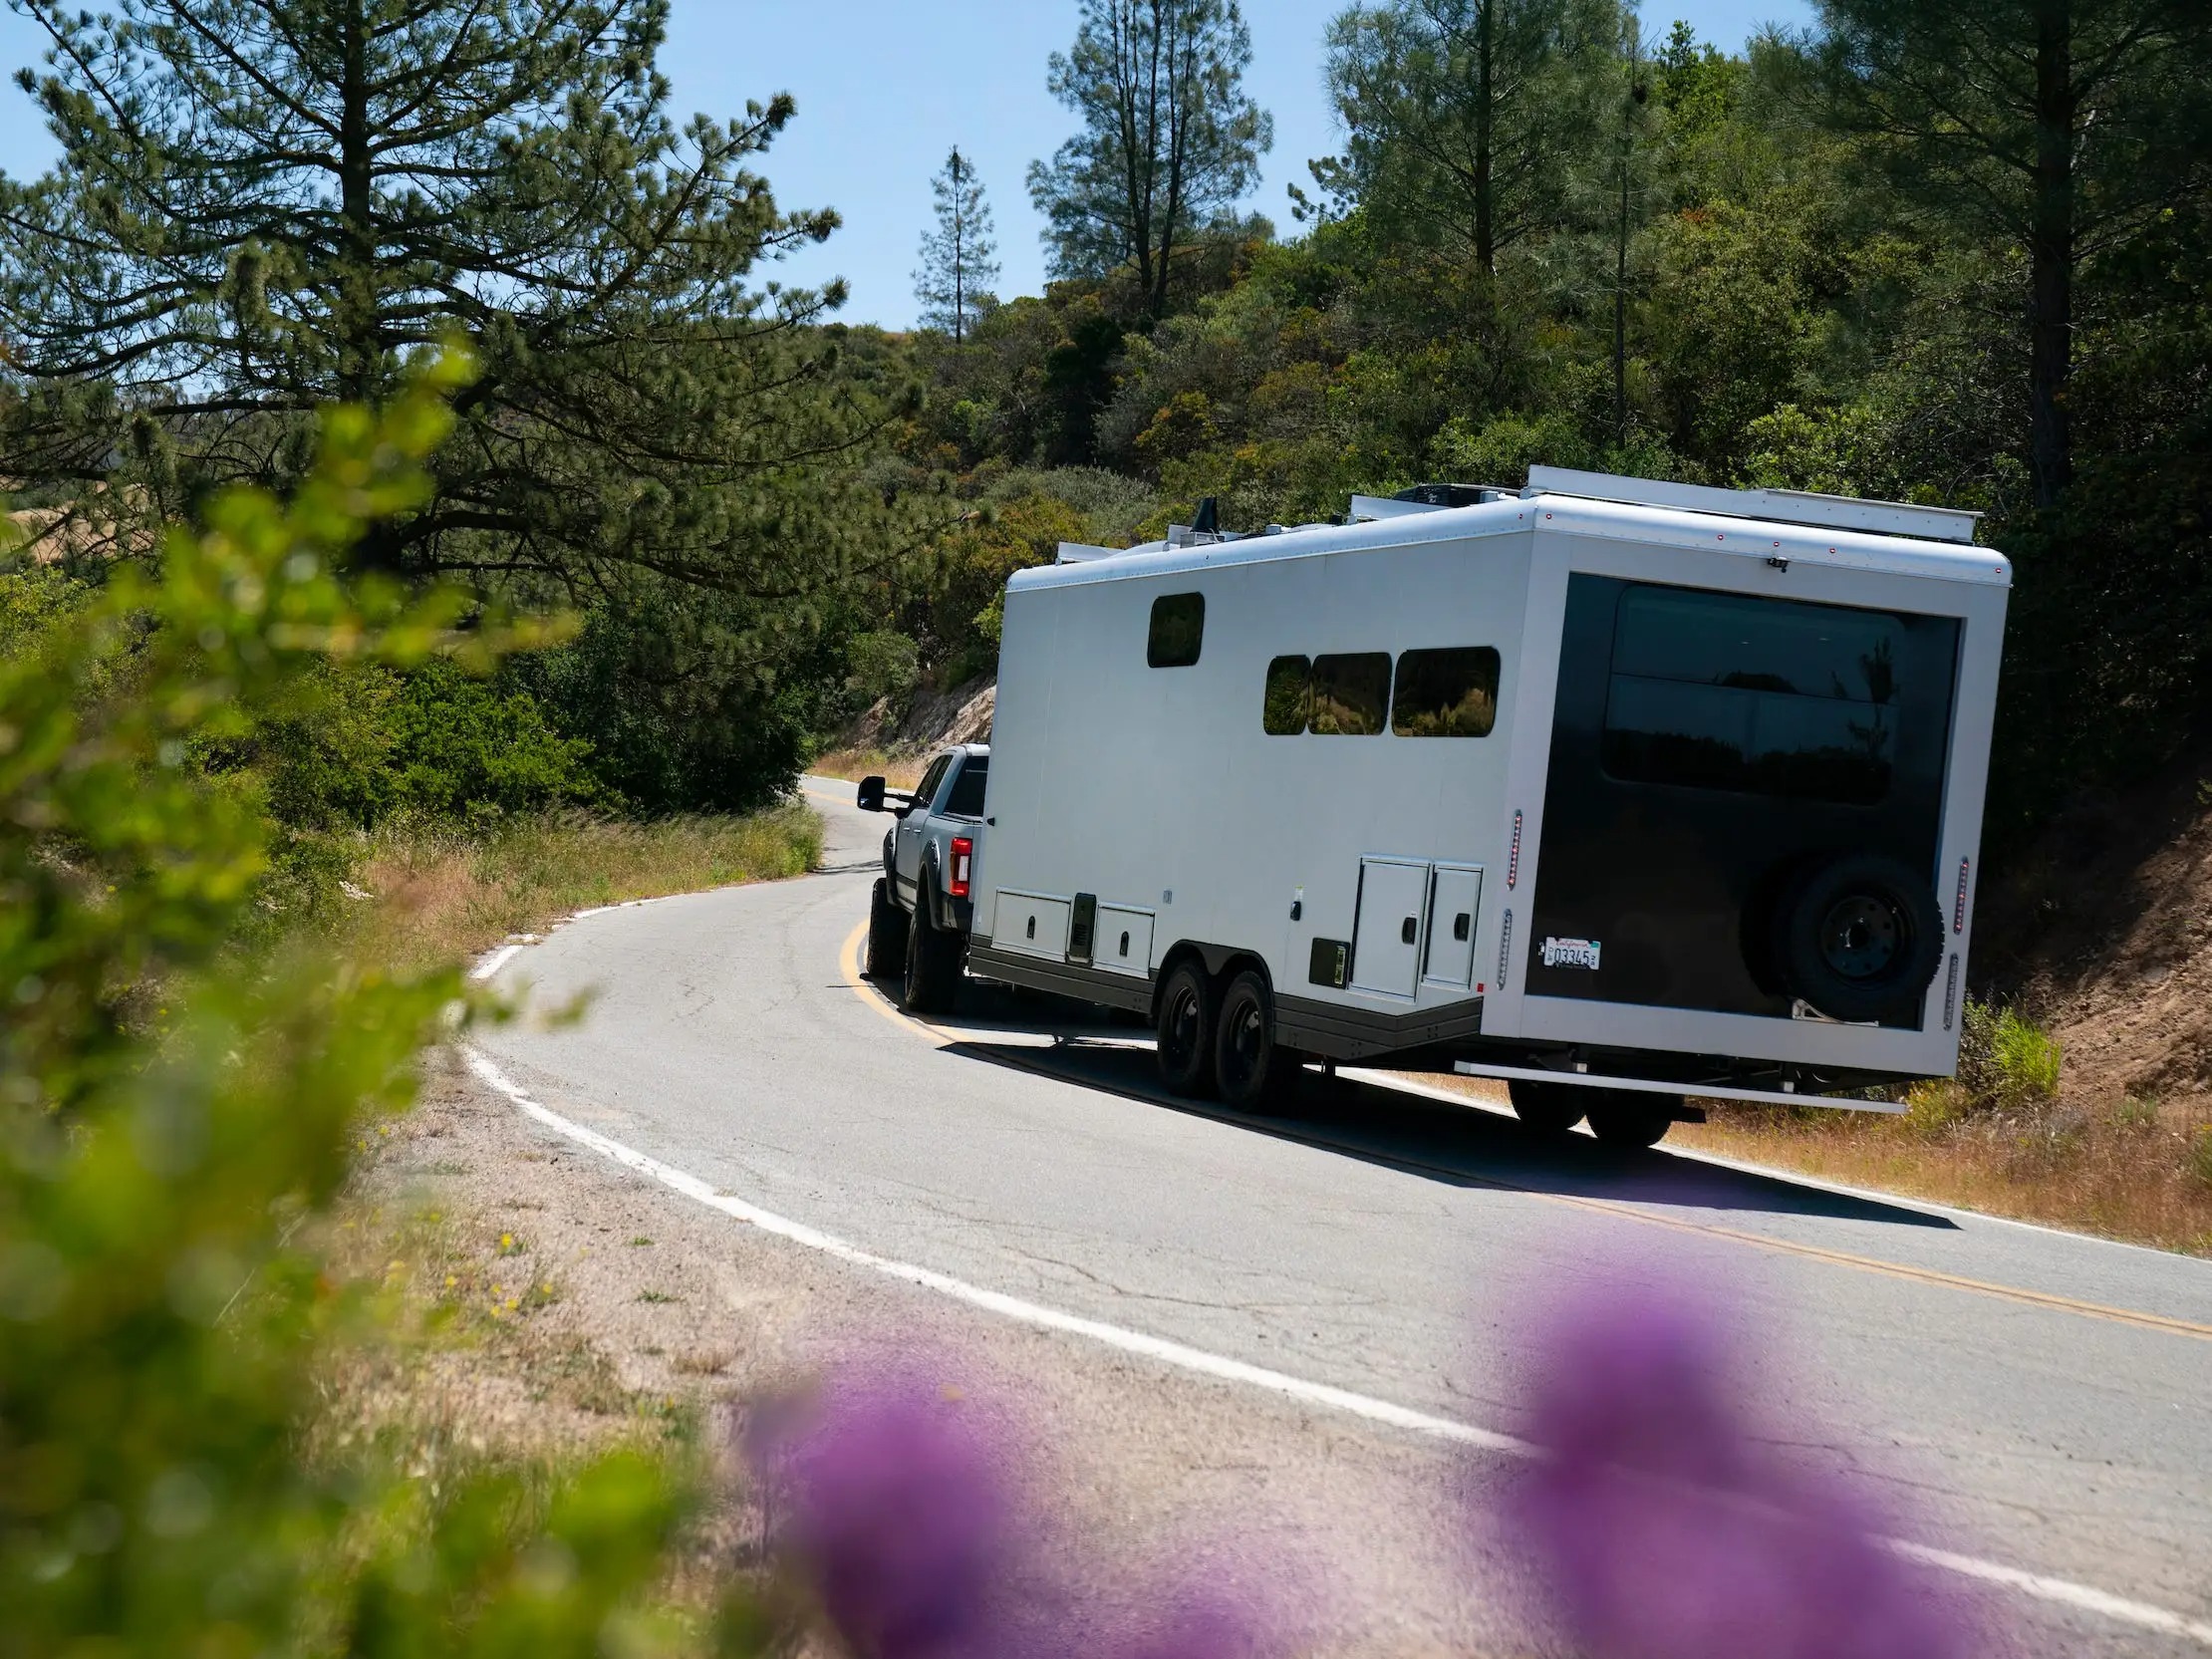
(179, 1094)
(176, 1103)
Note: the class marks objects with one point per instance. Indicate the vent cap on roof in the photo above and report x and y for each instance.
(1780, 506)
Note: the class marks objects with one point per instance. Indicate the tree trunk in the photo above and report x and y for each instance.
(359, 349)
(1141, 140)
(1167, 27)
(1628, 104)
(1171, 218)
(1486, 58)
(1620, 310)
(358, 336)
(2050, 255)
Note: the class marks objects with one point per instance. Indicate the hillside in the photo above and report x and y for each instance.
(2101, 932)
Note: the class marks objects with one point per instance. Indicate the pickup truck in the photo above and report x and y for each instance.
(920, 915)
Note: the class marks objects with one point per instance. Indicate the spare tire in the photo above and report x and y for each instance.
(1858, 938)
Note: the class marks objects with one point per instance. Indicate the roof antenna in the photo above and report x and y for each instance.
(1206, 520)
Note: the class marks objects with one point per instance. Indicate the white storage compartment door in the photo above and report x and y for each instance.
(1455, 901)
(1124, 942)
(1386, 940)
(1032, 924)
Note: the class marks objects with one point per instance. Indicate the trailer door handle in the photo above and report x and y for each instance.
(1460, 925)
(1407, 931)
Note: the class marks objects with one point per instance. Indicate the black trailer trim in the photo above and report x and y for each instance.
(1327, 1029)
(1084, 985)
(1336, 1032)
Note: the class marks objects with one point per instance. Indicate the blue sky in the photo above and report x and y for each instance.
(886, 87)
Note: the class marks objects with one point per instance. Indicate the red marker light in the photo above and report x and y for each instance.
(964, 864)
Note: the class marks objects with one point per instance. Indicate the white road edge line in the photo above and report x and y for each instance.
(492, 963)
(1197, 1360)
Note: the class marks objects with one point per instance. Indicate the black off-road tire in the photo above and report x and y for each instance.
(1858, 938)
(886, 954)
(1631, 1118)
(933, 964)
(1249, 1071)
(1548, 1108)
(1186, 1027)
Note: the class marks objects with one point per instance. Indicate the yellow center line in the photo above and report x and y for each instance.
(849, 963)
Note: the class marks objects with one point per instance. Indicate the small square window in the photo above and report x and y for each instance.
(1178, 629)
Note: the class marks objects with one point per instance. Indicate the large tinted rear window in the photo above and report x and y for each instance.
(966, 798)
(1761, 696)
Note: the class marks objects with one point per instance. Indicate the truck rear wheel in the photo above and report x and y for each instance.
(1247, 1065)
(886, 954)
(1631, 1118)
(1548, 1108)
(933, 964)
(1186, 1022)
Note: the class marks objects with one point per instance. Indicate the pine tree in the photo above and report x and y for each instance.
(960, 265)
(265, 205)
(1465, 119)
(1169, 141)
(2055, 127)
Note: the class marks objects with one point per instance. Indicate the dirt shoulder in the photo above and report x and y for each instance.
(567, 1302)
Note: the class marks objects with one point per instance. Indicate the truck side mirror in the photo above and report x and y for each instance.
(870, 798)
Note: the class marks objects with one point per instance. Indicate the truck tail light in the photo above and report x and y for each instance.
(964, 864)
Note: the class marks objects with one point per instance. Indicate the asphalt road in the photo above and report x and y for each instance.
(2030, 1400)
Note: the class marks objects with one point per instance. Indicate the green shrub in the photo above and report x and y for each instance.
(2025, 1061)
(2007, 1063)
(886, 666)
(2137, 1113)
(674, 691)
(2200, 1157)
(160, 1317)
(463, 746)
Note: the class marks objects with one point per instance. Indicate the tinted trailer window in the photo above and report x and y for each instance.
(1710, 753)
(1723, 691)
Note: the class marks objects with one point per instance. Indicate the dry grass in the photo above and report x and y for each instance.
(899, 771)
(2142, 1171)
(437, 896)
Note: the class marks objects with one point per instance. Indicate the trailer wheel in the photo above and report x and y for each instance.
(1548, 1108)
(887, 934)
(1858, 938)
(1248, 1066)
(1631, 1118)
(932, 964)
(1187, 1031)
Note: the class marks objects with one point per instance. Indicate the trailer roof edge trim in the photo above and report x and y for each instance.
(1686, 528)
(1777, 506)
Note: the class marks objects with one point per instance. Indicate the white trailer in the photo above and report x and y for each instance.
(1616, 790)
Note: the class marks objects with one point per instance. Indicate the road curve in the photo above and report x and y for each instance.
(2033, 1400)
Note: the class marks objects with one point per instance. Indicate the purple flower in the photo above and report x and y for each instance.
(1215, 1626)
(899, 1507)
(901, 1501)
(1664, 1529)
